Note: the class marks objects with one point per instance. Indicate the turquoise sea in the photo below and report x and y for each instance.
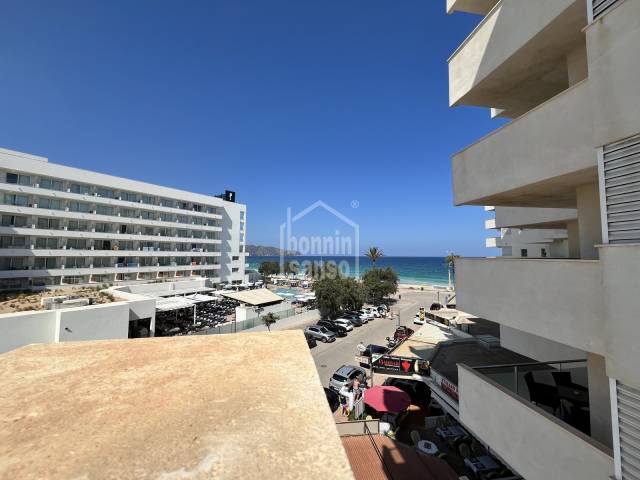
(412, 270)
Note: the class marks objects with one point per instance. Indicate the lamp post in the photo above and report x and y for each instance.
(259, 311)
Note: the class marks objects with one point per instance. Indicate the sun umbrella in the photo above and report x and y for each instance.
(387, 399)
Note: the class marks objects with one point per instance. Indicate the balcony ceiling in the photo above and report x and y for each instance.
(481, 7)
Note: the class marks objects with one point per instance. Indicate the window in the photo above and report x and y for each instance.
(104, 210)
(125, 245)
(165, 202)
(543, 252)
(128, 212)
(148, 200)
(183, 219)
(77, 188)
(523, 252)
(103, 262)
(167, 217)
(147, 231)
(183, 234)
(197, 208)
(13, 221)
(165, 232)
(49, 223)
(51, 184)
(50, 203)
(78, 207)
(75, 262)
(77, 243)
(235, 269)
(42, 263)
(77, 226)
(18, 200)
(51, 243)
(148, 215)
(129, 196)
(103, 227)
(12, 242)
(102, 245)
(241, 214)
(211, 210)
(235, 257)
(18, 179)
(197, 220)
(105, 192)
(12, 263)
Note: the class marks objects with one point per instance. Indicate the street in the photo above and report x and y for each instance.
(330, 356)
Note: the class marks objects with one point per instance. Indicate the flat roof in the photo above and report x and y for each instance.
(212, 406)
(473, 353)
(398, 460)
(423, 342)
(257, 297)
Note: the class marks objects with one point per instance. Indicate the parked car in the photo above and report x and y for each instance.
(367, 315)
(435, 306)
(355, 320)
(345, 376)
(336, 328)
(345, 323)
(402, 332)
(364, 357)
(363, 318)
(320, 333)
(382, 310)
(373, 311)
(311, 341)
(332, 399)
(417, 320)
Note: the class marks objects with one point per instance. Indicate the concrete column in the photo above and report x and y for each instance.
(590, 230)
(573, 240)
(599, 401)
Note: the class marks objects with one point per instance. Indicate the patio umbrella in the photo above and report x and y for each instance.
(387, 399)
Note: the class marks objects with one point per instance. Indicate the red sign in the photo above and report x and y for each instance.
(391, 364)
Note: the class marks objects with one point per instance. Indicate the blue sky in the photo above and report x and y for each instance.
(285, 102)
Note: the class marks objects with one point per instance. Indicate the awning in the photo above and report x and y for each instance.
(198, 298)
(423, 342)
(260, 296)
(173, 303)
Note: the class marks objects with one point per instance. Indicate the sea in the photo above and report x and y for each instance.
(410, 270)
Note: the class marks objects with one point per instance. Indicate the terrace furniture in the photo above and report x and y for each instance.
(427, 447)
(563, 379)
(415, 437)
(541, 393)
(481, 464)
(450, 432)
(464, 450)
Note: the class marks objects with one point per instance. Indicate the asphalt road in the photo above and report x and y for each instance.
(331, 356)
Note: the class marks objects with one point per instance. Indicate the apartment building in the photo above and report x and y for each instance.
(566, 73)
(66, 226)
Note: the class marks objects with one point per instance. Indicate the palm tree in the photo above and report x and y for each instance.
(450, 261)
(269, 319)
(374, 254)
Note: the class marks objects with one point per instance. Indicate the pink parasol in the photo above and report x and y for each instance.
(387, 399)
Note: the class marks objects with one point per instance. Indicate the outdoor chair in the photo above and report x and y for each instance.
(464, 450)
(542, 394)
(415, 437)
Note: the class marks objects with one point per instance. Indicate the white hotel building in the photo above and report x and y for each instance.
(567, 72)
(66, 226)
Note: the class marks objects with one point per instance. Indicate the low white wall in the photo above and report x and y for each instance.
(95, 322)
(24, 328)
(536, 444)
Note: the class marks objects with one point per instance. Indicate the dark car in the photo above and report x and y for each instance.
(402, 333)
(419, 392)
(339, 330)
(435, 306)
(364, 357)
(311, 342)
(332, 399)
(355, 319)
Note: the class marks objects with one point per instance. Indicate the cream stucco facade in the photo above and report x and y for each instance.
(568, 163)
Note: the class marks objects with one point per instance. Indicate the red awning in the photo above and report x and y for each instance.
(387, 399)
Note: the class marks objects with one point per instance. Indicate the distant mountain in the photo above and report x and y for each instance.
(261, 251)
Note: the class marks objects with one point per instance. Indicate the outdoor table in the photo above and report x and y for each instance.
(450, 432)
(483, 463)
(578, 397)
(427, 447)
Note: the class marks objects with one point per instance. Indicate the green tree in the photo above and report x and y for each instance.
(374, 254)
(379, 283)
(337, 293)
(268, 268)
(291, 267)
(269, 319)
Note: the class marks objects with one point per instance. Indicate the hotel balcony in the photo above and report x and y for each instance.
(524, 217)
(481, 7)
(557, 299)
(535, 160)
(520, 55)
(541, 441)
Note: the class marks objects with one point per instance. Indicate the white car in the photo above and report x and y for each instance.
(373, 311)
(345, 323)
(417, 320)
(366, 314)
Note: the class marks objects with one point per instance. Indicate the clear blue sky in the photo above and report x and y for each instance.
(284, 101)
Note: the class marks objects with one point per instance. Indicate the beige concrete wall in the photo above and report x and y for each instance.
(538, 348)
(621, 279)
(573, 233)
(614, 70)
(577, 65)
(528, 152)
(557, 299)
(522, 217)
(589, 220)
(536, 444)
